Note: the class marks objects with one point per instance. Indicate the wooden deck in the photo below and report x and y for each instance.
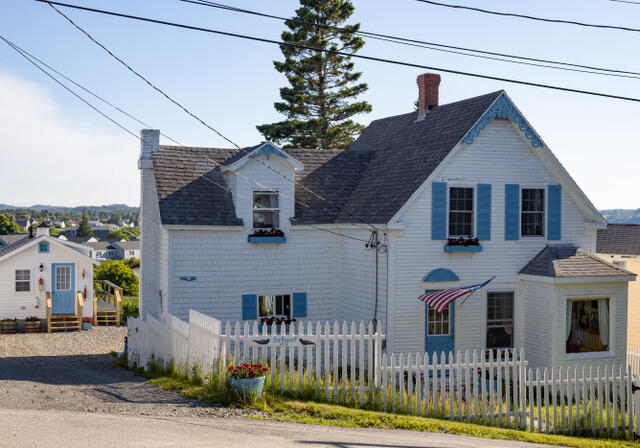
(65, 322)
(107, 309)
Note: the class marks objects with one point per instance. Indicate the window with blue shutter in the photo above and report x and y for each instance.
(43, 247)
(299, 304)
(439, 211)
(483, 216)
(511, 212)
(554, 215)
(249, 306)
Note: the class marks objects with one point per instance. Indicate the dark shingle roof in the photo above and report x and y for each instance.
(4, 250)
(99, 245)
(566, 260)
(368, 182)
(11, 238)
(623, 239)
(128, 245)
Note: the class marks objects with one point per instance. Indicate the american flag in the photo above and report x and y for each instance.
(441, 299)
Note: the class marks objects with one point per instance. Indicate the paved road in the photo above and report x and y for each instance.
(101, 430)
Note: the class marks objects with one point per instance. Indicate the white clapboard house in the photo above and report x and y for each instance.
(426, 184)
(36, 266)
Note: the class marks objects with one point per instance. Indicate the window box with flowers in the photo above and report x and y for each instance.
(463, 244)
(87, 323)
(9, 325)
(32, 324)
(267, 236)
(247, 379)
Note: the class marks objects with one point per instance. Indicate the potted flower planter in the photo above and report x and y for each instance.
(247, 379)
(32, 325)
(87, 323)
(9, 326)
(248, 387)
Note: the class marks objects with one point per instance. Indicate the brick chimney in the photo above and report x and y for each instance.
(428, 85)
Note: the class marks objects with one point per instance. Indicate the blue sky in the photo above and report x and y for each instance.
(56, 150)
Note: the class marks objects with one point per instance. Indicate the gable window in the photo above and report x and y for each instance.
(587, 326)
(265, 210)
(532, 222)
(460, 211)
(499, 320)
(23, 280)
(274, 306)
(43, 247)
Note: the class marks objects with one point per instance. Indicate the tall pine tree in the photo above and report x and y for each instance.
(320, 102)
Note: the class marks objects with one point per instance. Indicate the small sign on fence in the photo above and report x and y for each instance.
(283, 341)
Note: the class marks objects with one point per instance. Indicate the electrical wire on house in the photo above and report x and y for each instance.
(122, 111)
(524, 16)
(35, 64)
(358, 56)
(482, 54)
(51, 4)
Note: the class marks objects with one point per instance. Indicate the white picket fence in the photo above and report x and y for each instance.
(344, 364)
(633, 358)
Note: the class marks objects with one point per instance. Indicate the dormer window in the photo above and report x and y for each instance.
(266, 210)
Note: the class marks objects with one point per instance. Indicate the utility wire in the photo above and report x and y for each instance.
(435, 46)
(369, 58)
(524, 16)
(184, 108)
(67, 88)
(87, 90)
(625, 1)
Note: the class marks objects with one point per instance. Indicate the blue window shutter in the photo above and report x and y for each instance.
(483, 216)
(554, 215)
(249, 306)
(299, 304)
(511, 212)
(439, 211)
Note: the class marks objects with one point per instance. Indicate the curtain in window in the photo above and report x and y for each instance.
(603, 320)
(569, 319)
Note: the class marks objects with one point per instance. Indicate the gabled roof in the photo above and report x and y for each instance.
(99, 245)
(623, 239)
(12, 238)
(9, 251)
(4, 250)
(128, 245)
(566, 260)
(369, 182)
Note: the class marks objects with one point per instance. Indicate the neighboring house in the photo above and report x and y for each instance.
(102, 232)
(102, 250)
(35, 265)
(24, 223)
(6, 240)
(472, 169)
(620, 245)
(125, 250)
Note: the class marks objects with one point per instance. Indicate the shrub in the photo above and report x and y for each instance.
(117, 272)
(130, 308)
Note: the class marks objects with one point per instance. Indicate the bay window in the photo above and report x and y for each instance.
(587, 326)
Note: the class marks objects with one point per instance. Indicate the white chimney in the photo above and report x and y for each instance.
(43, 229)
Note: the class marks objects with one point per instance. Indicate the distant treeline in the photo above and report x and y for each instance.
(112, 214)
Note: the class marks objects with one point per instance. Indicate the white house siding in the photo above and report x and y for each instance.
(356, 276)
(500, 155)
(617, 293)
(536, 323)
(22, 304)
(227, 266)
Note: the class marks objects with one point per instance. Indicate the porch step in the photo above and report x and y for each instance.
(64, 322)
(107, 318)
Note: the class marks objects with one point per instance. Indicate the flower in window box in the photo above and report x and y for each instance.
(267, 233)
(462, 241)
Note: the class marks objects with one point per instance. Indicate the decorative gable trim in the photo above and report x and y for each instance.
(267, 149)
(503, 108)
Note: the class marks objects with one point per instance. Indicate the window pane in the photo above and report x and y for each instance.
(586, 334)
(500, 319)
(265, 306)
(460, 211)
(63, 278)
(265, 220)
(265, 199)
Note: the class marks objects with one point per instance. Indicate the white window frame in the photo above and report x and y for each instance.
(612, 342)
(473, 212)
(15, 281)
(132, 252)
(544, 213)
(501, 287)
(254, 209)
(485, 314)
(259, 316)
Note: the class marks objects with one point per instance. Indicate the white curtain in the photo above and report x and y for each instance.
(569, 308)
(603, 320)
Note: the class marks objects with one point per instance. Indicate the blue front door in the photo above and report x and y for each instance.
(439, 330)
(62, 281)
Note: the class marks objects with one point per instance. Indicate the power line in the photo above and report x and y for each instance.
(524, 16)
(185, 109)
(369, 58)
(625, 1)
(87, 90)
(67, 88)
(523, 60)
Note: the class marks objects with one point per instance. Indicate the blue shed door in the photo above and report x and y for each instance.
(439, 331)
(62, 281)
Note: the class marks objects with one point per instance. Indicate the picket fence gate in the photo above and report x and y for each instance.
(344, 364)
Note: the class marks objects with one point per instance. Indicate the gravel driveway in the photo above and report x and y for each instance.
(73, 372)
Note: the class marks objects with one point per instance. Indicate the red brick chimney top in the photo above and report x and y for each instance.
(428, 86)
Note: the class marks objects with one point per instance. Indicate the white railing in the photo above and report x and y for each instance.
(344, 364)
(633, 358)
